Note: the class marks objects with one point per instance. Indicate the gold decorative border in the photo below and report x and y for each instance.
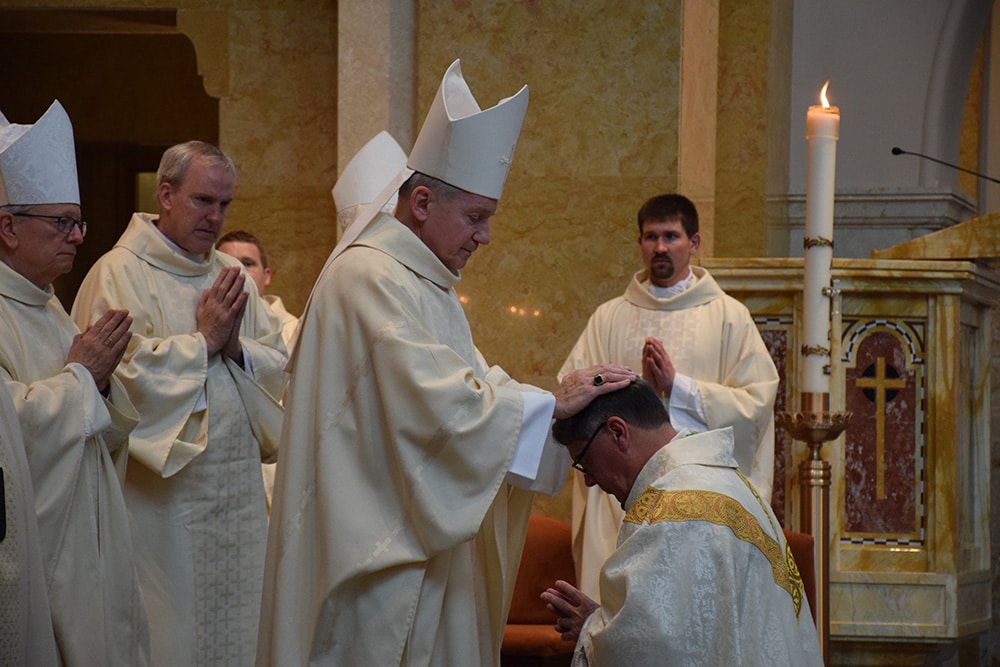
(657, 505)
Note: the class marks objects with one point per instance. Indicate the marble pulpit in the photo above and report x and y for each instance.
(911, 351)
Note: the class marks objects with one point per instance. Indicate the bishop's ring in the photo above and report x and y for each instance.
(598, 380)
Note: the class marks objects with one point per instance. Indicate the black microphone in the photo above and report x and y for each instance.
(896, 150)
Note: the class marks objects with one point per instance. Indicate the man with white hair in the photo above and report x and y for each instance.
(397, 527)
(75, 415)
(205, 369)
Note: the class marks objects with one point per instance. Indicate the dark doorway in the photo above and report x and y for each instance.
(130, 84)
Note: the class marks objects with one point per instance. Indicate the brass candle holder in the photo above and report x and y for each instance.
(815, 425)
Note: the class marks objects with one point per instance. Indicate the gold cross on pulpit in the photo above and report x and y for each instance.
(881, 384)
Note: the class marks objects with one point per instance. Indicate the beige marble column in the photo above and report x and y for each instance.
(376, 74)
(696, 125)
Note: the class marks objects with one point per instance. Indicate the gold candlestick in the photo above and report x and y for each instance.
(815, 425)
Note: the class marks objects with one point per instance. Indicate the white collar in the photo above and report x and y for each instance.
(673, 290)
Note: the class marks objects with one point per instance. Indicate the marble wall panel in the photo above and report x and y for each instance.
(883, 468)
(891, 605)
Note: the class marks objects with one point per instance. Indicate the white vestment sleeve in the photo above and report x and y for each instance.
(539, 463)
(686, 408)
(96, 417)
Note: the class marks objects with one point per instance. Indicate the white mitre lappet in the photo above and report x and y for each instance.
(459, 143)
(366, 175)
(38, 162)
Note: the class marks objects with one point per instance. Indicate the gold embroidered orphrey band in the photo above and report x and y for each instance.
(657, 505)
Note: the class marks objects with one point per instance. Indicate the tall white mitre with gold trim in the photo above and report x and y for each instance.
(38, 162)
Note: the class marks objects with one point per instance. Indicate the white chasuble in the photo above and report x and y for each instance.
(712, 339)
(194, 488)
(394, 538)
(702, 574)
(73, 437)
(26, 638)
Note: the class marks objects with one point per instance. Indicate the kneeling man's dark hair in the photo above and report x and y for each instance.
(637, 404)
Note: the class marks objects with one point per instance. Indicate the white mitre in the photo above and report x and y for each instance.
(38, 162)
(459, 143)
(465, 146)
(366, 175)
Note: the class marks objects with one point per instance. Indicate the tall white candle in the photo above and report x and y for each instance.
(822, 131)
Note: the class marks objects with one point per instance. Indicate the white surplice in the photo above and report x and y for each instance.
(76, 444)
(395, 539)
(702, 575)
(713, 341)
(194, 488)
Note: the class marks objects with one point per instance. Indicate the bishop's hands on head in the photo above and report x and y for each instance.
(581, 386)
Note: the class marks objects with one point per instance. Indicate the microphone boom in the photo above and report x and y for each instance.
(896, 150)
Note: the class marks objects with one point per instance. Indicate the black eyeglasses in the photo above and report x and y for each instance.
(583, 452)
(64, 224)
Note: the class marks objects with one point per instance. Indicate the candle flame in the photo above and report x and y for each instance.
(822, 96)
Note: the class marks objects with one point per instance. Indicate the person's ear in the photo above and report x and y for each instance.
(695, 242)
(8, 236)
(620, 431)
(420, 201)
(164, 196)
(267, 277)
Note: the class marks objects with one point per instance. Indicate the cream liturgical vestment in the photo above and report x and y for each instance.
(711, 339)
(26, 638)
(289, 323)
(702, 574)
(394, 537)
(76, 444)
(194, 487)
(289, 327)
